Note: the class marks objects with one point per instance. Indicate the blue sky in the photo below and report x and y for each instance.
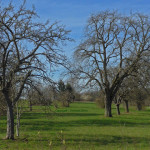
(74, 13)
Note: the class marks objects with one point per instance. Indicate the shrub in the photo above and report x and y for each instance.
(100, 101)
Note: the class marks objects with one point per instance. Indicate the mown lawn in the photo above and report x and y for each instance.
(81, 126)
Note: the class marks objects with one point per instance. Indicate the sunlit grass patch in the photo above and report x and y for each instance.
(81, 126)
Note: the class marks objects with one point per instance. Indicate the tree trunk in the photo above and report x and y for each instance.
(139, 106)
(10, 122)
(30, 105)
(108, 103)
(126, 106)
(18, 120)
(118, 109)
(68, 103)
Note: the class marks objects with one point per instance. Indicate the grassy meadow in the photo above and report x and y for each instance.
(82, 126)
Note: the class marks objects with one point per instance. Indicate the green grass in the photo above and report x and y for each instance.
(81, 126)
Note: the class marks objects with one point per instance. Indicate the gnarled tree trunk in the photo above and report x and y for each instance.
(126, 106)
(18, 119)
(10, 122)
(30, 104)
(139, 106)
(118, 109)
(108, 103)
(10, 115)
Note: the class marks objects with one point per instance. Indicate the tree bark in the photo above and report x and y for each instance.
(10, 116)
(30, 105)
(18, 120)
(126, 106)
(118, 109)
(68, 103)
(10, 122)
(108, 103)
(139, 106)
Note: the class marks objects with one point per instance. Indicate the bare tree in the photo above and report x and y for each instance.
(28, 50)
(135, 89)
(137, 94)
(122, 95)
(117, 101)
(112, 41)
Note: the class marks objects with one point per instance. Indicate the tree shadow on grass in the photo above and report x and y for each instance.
(106, 139)
(39, 122)
(95, 140)
(64, 114)
(53, 125)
